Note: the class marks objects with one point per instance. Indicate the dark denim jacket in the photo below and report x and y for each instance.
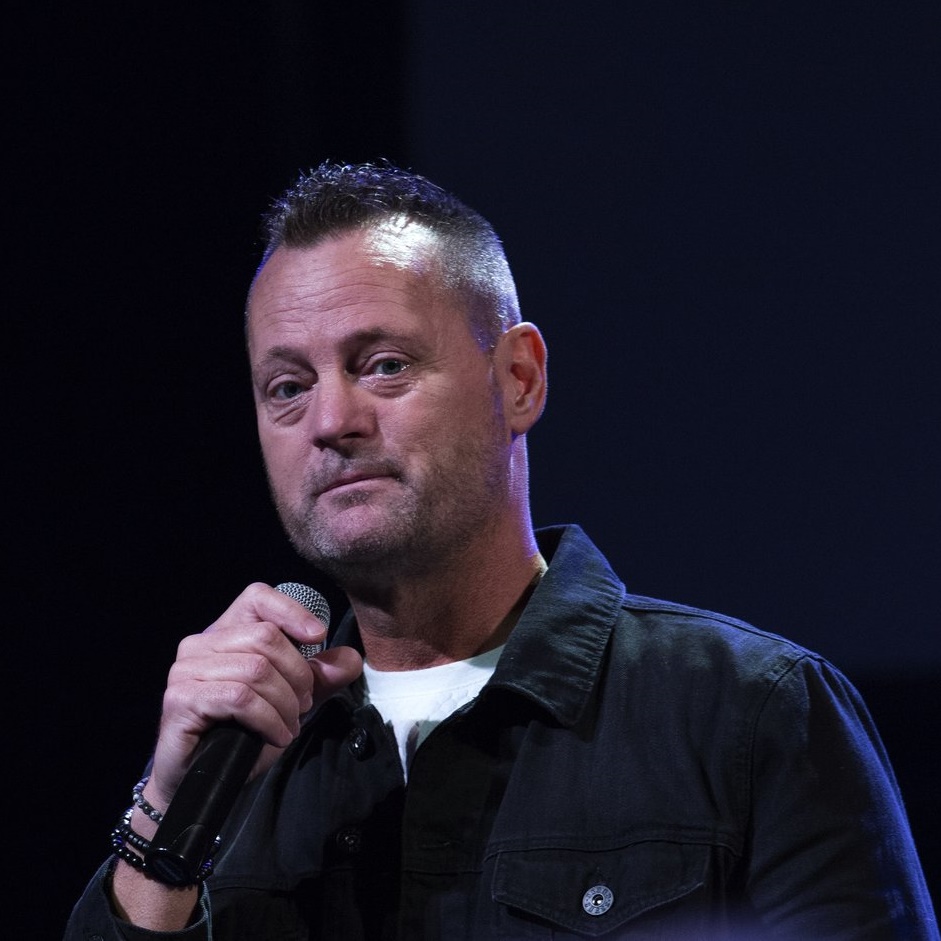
(633, 769)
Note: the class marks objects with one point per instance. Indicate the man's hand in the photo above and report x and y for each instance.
(245, 667)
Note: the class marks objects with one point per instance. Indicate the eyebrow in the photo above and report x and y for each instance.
(378, 334)
(294, 354)
(277, 354)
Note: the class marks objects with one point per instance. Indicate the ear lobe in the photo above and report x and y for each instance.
(521, 361)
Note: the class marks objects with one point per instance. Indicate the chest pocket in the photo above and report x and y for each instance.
(593, 893)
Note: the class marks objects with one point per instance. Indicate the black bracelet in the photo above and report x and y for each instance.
(124, 830)
(141, 801)
(122, 835)
(122, 852)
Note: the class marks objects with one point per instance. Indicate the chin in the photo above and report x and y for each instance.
(349, 547)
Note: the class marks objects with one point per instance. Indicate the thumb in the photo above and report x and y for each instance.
(334, 668)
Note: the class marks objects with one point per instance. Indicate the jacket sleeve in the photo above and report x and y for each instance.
(92, 919)
(831, 850)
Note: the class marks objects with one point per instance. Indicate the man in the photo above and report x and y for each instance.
(527, 751)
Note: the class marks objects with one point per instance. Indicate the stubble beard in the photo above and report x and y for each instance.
(425, 530)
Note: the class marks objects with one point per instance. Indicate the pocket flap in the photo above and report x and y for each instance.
(593, 892)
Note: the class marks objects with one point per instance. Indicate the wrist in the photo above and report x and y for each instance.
(131, 840)
(146, 815)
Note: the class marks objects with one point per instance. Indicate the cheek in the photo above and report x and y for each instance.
(283, 457)
(451, 434)
(423, 430)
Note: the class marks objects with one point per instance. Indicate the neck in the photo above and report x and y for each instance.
(448, 615)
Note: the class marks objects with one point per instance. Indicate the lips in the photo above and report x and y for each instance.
(346, 481)
(328, 478)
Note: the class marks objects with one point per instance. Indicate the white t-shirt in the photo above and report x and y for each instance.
(413, 702)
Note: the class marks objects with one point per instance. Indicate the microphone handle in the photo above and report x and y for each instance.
(183, 841)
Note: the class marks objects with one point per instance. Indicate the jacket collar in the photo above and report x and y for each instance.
(554, 654)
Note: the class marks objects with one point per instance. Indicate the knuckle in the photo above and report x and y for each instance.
(236, 697)
(266, 640)
(255, 591)
(256, 668)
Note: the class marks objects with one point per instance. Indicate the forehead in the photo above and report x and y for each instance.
(387, 270)
(390, 248)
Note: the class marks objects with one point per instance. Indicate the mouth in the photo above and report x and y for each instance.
(348, 480)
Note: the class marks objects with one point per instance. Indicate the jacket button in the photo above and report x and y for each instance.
(597, 900)
(350, 840)
(358, 743)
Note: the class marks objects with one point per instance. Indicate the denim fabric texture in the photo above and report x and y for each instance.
(633, 769)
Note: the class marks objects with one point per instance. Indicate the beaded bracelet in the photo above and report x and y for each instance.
(123, 836)
(124, 830)
(141, 801)
(119, 848)
(122, 852)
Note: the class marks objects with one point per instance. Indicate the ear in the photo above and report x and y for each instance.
(520, 363)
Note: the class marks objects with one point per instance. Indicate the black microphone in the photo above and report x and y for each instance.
(182, 845)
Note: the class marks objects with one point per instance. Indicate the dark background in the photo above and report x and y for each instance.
(724, 216)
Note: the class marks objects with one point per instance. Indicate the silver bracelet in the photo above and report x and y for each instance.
(141, 801)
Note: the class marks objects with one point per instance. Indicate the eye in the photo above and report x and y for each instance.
(285, 391)
(388, 367)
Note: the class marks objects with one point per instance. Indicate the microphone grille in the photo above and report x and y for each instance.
(315, 603)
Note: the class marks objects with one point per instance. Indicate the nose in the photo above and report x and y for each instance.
(339, 412)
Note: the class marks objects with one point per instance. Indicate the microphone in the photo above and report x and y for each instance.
(180, 850)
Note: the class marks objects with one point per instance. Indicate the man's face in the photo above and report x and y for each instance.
(379, 418)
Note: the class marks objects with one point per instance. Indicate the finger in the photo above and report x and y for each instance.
(262, 603)
(213, 655)
(221, 684)
(242, 687)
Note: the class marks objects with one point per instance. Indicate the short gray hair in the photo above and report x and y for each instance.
(337, 198)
